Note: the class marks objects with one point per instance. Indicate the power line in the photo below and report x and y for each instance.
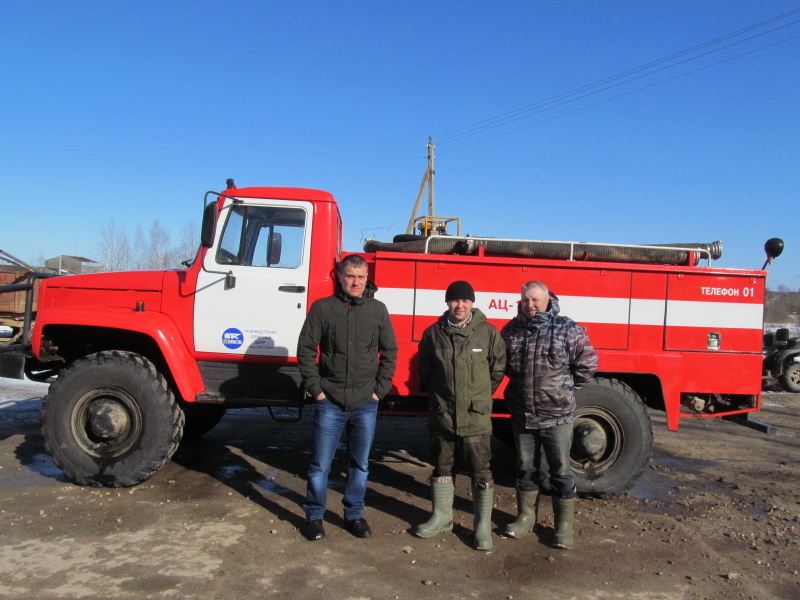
(309, 153)
(628, 93)
(379, 149)
(640, 72)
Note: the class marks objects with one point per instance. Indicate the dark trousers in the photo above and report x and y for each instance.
(554, 443)
(473, 452)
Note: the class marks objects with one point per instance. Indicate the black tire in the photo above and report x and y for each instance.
(200, 418)
(111, 420)
(611, 410)
(790, 378)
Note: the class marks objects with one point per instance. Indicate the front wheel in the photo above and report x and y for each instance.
(111, 420)
(790, 379)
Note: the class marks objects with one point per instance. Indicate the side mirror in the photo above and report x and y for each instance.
(209, 225)
(275, 249)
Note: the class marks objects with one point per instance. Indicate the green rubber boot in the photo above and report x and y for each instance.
(441, 520)
(564, 513)
(527, 508)
(482, 500)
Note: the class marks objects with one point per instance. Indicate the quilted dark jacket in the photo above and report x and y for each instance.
(547, 358)
(357, 348)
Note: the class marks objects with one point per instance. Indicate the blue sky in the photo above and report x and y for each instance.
(133, 111)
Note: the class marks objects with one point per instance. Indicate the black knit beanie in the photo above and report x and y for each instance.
(459, 290)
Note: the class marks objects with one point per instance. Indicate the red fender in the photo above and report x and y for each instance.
(158, 326)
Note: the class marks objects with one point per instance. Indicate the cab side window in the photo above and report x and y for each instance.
(263, 236)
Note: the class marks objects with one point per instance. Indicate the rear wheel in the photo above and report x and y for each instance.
(111, 420)
(612, 439)
(790, 379)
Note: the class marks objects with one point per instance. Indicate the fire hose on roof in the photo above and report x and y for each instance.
(650, 254)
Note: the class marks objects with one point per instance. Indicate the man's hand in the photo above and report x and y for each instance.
(320, 397)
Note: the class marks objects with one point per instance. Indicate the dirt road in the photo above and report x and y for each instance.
(715, 516)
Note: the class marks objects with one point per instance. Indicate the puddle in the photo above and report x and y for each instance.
(39, 471)
(653, 487)
(43, 465)
(268, 484)
(20, 411)
(660, 492)
(231, 472)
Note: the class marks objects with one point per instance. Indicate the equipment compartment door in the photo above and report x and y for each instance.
(714, 313)
(252, 292)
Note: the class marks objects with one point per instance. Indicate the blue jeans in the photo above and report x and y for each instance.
(329, 422)
(555, 443)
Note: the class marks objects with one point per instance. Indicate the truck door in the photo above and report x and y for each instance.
(252, 291)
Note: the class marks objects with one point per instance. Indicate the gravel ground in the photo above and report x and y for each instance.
(715, 516)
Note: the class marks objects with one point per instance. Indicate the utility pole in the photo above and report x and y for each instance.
(431, 173)
(427, 180)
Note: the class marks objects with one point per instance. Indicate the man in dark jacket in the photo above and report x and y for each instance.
(549, 356)
(357, 357)
(461, 362)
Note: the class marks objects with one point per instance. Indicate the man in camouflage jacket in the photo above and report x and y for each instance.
(549, 356)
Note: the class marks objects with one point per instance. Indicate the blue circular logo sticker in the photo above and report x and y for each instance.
(233, 338)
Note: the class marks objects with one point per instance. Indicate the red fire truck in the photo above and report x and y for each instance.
(144, 358)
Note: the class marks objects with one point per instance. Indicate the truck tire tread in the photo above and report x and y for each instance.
(157, 415)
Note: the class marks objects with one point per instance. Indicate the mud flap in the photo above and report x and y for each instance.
(12, 365)
(286, 419)
(744, 419)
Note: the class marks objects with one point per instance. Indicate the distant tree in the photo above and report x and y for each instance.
(113, 250)
(189, 242)
(149, 250)
(159, 254)
(781, 306)
(139, 257)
